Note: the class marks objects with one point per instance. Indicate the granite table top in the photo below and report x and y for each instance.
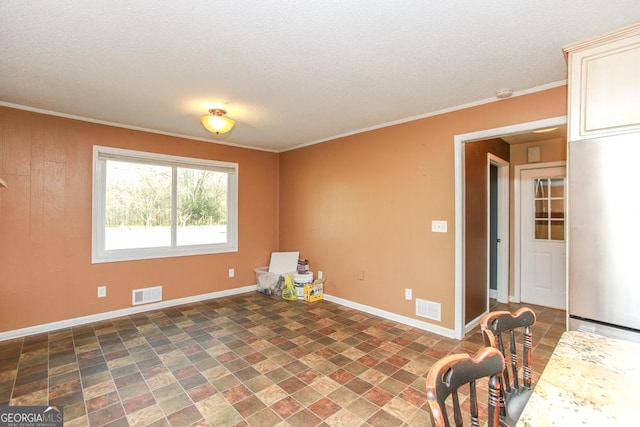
(590, 380)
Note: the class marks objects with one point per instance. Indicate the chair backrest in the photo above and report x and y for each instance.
(515, 383)
(451, 373)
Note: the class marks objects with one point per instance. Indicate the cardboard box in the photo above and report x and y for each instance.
(313, 291)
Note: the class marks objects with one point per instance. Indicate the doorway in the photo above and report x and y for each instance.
(462, 326)
(539, 225)
(498, 240)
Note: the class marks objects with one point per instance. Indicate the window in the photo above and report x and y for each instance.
(549, 208)
(148, 205)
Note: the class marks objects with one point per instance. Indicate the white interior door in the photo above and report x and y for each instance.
(543, 244)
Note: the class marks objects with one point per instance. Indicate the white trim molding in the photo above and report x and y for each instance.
(458, 147)
(502, 292)
(77, 321)
(445, 332)
(517, 238)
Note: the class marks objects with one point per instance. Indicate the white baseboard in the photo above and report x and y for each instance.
(475, 322)
(47, 327)
(449, 333)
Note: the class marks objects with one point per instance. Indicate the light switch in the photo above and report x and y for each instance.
(439, 226)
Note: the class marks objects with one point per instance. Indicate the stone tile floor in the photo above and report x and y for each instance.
(245, 360)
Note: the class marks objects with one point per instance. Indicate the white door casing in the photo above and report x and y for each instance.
(460, 328)
(542, 238)
(503, 228)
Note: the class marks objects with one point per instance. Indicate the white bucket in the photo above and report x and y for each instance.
(303, 279)
(299, 280)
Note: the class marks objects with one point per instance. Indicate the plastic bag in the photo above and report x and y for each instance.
(289, 290)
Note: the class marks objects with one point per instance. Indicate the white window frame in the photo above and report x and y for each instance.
(98, 252)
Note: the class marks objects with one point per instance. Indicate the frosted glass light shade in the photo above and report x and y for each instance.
(217, 122)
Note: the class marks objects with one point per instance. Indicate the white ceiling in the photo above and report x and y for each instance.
(289, 72)
(547, 134)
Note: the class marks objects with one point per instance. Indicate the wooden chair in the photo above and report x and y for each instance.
(449, 374)
(515, 383)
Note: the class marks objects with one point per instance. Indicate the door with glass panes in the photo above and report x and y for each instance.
(543, 244)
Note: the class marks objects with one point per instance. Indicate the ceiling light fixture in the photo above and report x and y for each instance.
(504, 93)
(544, 130)
(217, 122)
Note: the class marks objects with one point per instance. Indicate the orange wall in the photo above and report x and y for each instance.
(551, 150)
(46, 273)
(360, 207)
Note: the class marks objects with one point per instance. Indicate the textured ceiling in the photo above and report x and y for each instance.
(290, 73)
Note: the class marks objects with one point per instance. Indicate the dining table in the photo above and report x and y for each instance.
(589, 380)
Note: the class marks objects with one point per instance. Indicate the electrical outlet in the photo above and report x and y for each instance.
(408, 294)
(232, 272)
(102, 291)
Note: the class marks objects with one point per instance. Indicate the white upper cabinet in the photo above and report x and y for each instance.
(604, 85)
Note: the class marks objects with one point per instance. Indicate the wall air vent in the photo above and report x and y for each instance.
(428, 309)
(146, 295)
